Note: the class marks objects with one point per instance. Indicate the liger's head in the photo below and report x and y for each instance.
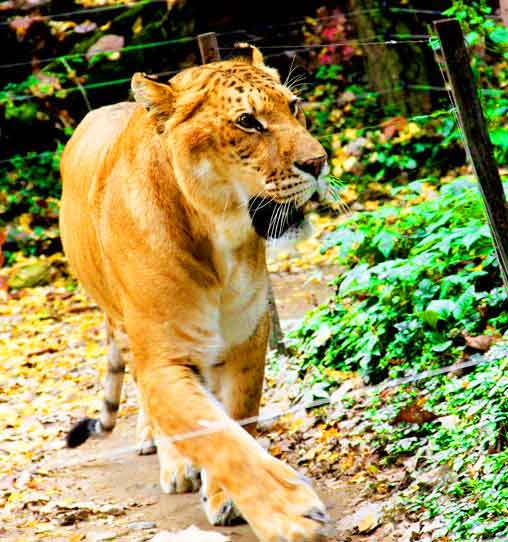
(237, 132)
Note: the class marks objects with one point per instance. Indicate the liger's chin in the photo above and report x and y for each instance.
(282, 224)
(290, 238)
(271, 219)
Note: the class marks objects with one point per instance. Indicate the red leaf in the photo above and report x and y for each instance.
(393, 125)
(414, 413)
(480, 342)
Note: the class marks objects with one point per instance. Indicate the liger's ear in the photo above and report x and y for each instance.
(255, 57)
(158, 98)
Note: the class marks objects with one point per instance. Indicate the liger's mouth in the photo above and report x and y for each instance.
(272, 220)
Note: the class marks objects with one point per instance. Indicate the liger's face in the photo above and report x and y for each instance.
(266, 148)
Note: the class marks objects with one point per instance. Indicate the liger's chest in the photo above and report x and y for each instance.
(243, 300)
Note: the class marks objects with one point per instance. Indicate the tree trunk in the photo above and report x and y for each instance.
(393, 70)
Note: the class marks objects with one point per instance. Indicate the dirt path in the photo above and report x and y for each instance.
(130, 484)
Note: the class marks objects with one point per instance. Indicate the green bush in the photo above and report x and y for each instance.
(29, 191)
(463, 449)
(415, 277)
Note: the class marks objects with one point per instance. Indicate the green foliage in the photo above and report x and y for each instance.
(414, 278)
(29, 192)
(473, 16)
(462, 453)
(27, 184)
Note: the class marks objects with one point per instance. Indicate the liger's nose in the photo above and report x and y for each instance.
(313, 166)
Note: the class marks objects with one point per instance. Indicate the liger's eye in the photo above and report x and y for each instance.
(249, 122)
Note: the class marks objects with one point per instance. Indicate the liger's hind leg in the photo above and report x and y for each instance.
(145, 443)
(113, 382)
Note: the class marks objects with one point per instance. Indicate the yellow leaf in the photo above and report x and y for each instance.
(137, 27)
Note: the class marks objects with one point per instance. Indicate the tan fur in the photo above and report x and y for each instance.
(154, 221)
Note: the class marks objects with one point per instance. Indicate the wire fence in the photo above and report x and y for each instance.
(376, 40)
(359, 130)
(187, 39)
(217, 427)
(419, 39)
(144, 3)
(73, 56)
(293, 47)
(61, 93)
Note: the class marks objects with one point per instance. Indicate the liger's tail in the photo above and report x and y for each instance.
(90, 427)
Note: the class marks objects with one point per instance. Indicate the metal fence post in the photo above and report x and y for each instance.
(476, 136)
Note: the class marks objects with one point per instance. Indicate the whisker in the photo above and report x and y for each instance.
(283, 219)
(295, 88)
(268, 201)
(343, 207)
(297, 84)
(298, 77)
(248, 203)
(289, 80)
(270, 225)
(279, 213)
(286, 82)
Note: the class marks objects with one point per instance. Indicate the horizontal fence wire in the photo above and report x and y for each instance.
(416, 11)
(24, 97)
(127, 49)
(129, 5)
(348, 43)
(386, 122)
(217, 427)
(62, 93)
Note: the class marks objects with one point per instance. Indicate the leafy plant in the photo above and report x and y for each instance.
(416, 277)
(29, 192)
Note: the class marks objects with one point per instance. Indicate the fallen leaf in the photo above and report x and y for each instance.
(100, 536)
(364, 520)
(393, 125)
(415, 413)
(479, 342)
(35, 274)
(85, 27)
(22, 25)
(141, 525)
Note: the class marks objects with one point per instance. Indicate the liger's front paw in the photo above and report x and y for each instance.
(283, 507)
